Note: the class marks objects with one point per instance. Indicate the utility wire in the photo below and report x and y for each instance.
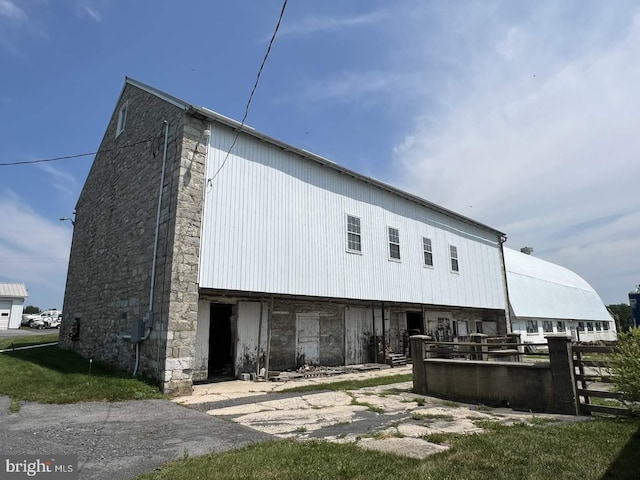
(66, 157)
(253, 90)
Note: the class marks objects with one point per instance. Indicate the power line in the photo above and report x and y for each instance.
(67, 157)
(253, 90)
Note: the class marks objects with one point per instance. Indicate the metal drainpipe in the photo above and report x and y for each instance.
(149, 316)
(507, 312)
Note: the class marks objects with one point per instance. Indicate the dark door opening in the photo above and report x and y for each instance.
(415, 325)
(220, 341)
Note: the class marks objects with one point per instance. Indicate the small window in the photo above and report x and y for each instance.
(581, 326)
(560, 326)
(428, 252)
(394, 244)
(598, 326)
(547, 326)
(532, 326)
(354, 240)
(590, 326)
(122, 118)
(455, 267)
(605, 325)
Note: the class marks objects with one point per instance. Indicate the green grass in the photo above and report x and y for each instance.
(431, 416)
(579, 451)
(28, 340)
(52, 375)
(352, 384)
(370, 407)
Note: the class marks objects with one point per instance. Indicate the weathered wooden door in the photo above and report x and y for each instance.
(358, 326)
(308, 339)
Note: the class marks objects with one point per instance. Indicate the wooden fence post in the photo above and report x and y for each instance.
(418, 354)
(562, 375)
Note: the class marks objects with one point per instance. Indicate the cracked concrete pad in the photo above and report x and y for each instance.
(413, 430)
(328, 399)
(240, 409)
(388, 404)
(278, 422)
(407, 447)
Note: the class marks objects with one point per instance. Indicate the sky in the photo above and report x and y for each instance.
(524, 116)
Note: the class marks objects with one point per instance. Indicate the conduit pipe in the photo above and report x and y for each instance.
(149, 316)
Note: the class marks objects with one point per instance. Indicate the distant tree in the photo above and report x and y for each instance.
(624, 316)
(31, 309)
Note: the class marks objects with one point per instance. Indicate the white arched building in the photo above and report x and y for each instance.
(548, 299)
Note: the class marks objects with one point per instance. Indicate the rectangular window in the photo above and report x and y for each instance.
(122, 118)
(590, 326)
(605, 325)
(547, 326)
(455, 267)
(581, 326)
(394, 244)
(532, 326)
(560, 326)
(354, 241)
(598, 326)
(428, 252)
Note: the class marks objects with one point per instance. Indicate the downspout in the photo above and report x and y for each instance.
(148, 320)
(507, 310)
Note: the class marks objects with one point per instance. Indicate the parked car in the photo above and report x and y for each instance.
(27, 318)
(46, 319)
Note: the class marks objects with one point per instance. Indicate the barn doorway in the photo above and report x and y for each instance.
(415, 323)
(220, 340)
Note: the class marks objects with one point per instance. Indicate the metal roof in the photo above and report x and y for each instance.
(541, 289)
(13, 290)
(217, 117)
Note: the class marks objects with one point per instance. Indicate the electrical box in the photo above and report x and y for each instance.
(137, 331)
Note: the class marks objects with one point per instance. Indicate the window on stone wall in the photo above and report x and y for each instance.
(122, 118)
(428, 252)
(560, 326)
(453, 250)
(532, 326)
(547, 326)
(354, 239)
(394, 243)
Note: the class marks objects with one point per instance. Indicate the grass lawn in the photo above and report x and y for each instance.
(28, 340)
(352, 384)
(52, 375)
(601, 449)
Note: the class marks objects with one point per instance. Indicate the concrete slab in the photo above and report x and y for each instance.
(407, 447)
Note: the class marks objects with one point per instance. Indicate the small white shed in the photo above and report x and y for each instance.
(12, 296)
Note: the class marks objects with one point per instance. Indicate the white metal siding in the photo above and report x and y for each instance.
(275, 222)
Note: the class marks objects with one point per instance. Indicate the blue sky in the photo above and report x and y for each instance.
(522, 115)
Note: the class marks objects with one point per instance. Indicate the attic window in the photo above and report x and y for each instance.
(122, 119)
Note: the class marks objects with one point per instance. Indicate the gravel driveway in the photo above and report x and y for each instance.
(118, 440)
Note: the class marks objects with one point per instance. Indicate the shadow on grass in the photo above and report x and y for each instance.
(65, 361)
(626, 465)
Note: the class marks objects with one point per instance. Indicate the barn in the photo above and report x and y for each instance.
(12, 296)
(202, 247)
(546, 299)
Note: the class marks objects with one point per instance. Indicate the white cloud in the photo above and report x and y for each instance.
(536, 134)
(319, 24)
(60, 179)
(12, 12)
(33, 249)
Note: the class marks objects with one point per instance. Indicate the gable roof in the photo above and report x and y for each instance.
(541, 289)
(13, 290)
(217, 117)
